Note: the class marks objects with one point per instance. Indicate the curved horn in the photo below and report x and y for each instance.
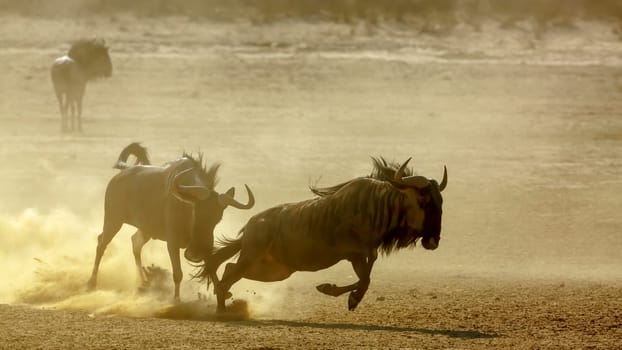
(226, 200)
(181, 173)
(198, 192)
(443, 184)
(400, 172)
(417, 181)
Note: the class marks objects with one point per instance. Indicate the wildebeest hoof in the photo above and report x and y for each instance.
(143, 287)
(353, 301)
(225, 295)
(327, 289)
(90, 285)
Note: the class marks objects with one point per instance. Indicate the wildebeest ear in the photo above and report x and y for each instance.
(231, 191)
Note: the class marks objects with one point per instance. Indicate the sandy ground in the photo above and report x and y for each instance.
(528, 127)
(450, 312)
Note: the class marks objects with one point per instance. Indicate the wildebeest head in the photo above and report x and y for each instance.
(423, 207)
(197, 185)
(93, 57)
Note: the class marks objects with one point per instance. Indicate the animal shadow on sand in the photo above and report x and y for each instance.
(368, 327)
(238, 312)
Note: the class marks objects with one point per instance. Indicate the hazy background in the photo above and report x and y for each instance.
(520, 100)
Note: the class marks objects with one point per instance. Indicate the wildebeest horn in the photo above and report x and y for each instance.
(443, 184)
(226, 200)
(198, 192)
(413, 180)
(400, 172)
(182, 173)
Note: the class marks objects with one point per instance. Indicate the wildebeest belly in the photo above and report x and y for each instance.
(304, 255)
(173, 224)
(298, 244)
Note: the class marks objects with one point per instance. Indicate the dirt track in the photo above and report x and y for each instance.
(530, 256)
(450, 312)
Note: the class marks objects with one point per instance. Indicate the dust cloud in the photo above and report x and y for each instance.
(50, 259)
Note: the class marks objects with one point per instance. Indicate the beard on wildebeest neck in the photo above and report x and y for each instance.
(431, 232)
(200, 245)
(403, 236)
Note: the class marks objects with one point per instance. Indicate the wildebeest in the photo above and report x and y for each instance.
(390, 209)
(175, 203)
(87, 59)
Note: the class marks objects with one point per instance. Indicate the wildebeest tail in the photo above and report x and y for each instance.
(135, 149)
(228, 249)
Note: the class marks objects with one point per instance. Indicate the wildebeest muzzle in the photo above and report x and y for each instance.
(430, 243)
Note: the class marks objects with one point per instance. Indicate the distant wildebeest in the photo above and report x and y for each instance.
(175, 203)
(390, 209)
(86, 60)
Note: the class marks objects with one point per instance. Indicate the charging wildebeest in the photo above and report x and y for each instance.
(175, 203)
(390, 209)
(86, 60)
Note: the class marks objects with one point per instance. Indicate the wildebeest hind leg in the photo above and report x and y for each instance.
(246, 267)
(79, 112)
(110, 230)
(138, 241)
(231, 275)
(62, 106)
(71, 112)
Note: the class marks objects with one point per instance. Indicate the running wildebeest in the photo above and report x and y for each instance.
(175, 203)
(86, 60)
(388, 210)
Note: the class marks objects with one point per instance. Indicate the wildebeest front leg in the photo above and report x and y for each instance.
(334, 290)
(173, 253)
(362, 268)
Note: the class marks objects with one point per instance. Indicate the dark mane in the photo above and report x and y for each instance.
(376, 200)
(82, 49)
(327, 191)
(383, 171)
(92, 55)
(396, 239)
(209, 177)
